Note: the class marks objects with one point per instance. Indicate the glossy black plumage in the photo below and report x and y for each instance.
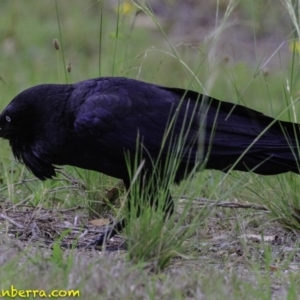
(91, 124)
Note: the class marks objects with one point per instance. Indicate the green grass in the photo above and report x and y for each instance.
(218, 257)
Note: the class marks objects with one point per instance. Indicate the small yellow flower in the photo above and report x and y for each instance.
(126, 8)
(295, 46)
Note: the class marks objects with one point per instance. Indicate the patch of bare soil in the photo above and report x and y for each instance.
(235, 235)
(42, 227)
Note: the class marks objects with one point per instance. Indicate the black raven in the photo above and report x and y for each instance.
(97, 124)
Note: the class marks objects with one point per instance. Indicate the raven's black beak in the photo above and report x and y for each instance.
(4, 132)
(1, 128)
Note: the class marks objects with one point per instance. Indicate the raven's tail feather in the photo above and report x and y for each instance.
(265, 147)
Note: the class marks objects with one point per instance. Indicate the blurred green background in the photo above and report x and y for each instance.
(232, 60)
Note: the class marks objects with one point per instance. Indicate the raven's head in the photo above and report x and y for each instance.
(23, 124)
(24, 116)
(16, 120)
(17, 125)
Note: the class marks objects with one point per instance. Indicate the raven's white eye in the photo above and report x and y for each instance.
(7, 118)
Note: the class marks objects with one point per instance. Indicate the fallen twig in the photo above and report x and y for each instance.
(11, 221)
(209, 203)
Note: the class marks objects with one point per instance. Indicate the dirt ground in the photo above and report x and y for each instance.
(217, 245)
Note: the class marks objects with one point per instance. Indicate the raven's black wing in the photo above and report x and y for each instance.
(117, 111)
(245, 139)
(115, 115)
